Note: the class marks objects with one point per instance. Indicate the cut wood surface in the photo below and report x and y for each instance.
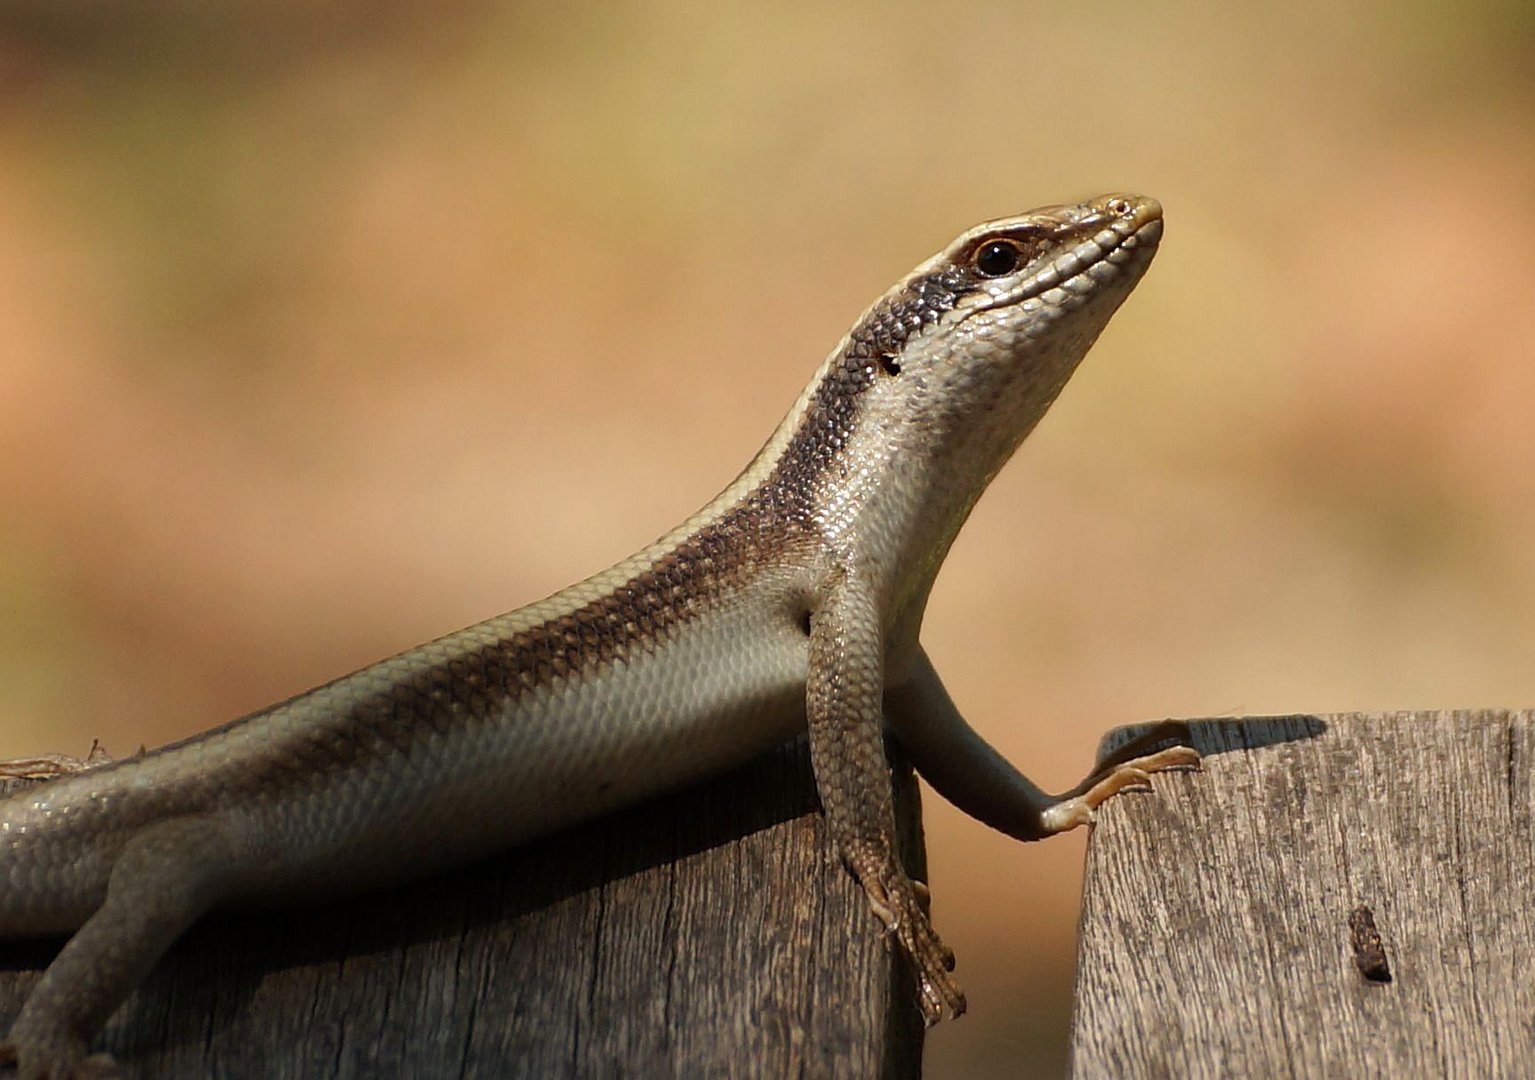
(709, 932)
(1333, 896)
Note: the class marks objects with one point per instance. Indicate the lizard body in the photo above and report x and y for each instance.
(793, 599)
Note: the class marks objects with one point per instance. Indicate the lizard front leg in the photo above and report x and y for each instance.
(166, 876)
(965, 770)
(843, 693)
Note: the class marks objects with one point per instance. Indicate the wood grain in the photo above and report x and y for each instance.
(1344, 895)
(710, 932)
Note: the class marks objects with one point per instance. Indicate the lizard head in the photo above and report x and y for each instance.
(943, 377)
(996, 323)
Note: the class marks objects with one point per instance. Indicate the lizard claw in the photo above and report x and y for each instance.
(901, 905)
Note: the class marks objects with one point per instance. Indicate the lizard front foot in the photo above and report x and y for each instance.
(900, 903)
(1117, 771)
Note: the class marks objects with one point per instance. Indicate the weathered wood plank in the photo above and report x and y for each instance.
(1216, 930)
(705, 933)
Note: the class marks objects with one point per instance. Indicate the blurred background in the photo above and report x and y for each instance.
(329, 328)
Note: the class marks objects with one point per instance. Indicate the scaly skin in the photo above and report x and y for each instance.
(792, 600)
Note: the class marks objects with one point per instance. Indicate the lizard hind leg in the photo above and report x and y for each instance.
(165, 878)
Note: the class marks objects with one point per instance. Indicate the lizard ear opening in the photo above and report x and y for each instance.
(891, 365)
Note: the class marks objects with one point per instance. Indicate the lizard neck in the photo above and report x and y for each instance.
(906, 423)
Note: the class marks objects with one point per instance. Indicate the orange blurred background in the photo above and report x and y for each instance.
(329, 328)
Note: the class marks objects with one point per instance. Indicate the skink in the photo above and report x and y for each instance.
(793, 600)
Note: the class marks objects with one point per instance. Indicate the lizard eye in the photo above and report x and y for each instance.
(996, 258)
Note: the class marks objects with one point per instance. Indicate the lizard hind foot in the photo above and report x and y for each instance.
(47, 766)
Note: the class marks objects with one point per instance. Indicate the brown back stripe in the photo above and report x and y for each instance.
(476, 680)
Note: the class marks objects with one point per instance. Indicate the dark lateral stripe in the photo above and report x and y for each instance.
(829, 421)
(475, 680)
(886, 329)
(645, 611)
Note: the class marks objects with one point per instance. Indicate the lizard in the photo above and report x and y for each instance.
(792, 602)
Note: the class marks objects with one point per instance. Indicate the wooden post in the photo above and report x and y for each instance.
(1332, 896)
(705, 933)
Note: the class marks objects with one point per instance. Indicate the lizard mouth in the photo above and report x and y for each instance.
(1118, 251)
